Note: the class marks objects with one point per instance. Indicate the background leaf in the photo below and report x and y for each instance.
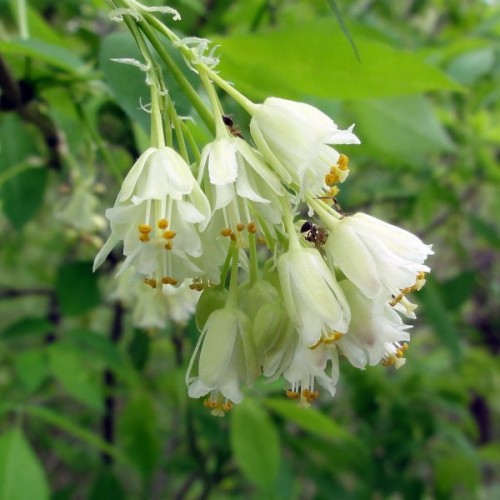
(21, 474)
(255, 443)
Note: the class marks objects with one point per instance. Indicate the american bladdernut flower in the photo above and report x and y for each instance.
(158, 215)
(312, 297)
(377, 257)
(295, 139)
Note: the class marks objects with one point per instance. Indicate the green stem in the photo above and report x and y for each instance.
(254, 263)
(322, 209)
(183, 82)
(233, 283)
(220, 128)
(22, 19)
(293, 239)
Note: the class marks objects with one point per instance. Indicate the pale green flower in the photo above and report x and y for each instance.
(225, 360)
(374, 329)
(158, 215)
(376, 256)
(294, 138)
(313, 299)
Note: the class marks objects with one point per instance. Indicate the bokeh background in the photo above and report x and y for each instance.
(92, 406)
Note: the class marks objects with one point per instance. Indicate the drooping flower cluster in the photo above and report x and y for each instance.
(280, 297)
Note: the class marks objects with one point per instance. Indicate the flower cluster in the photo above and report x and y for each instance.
(280, 297)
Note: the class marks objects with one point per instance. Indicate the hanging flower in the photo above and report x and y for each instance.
(294, 139)
(377, 257)
(155, 215)
(374, 328)
(309, 366)
(240, 186)
(226, 360)
(312, 296)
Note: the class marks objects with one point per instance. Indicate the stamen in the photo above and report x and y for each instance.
(144, 228)
(252, 227)
(169, 235)
(163, 223)
(226, 232)
(292, 394)
(343, 162)
(240, 226)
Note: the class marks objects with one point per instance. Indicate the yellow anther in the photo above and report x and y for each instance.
(343, 162)
(252, 227)
(173, 281)
(169, 235)
(168, 245)
(150, 282)
(316, 345)
(232, 236)
(163, 223)
(310, 395)
(227, 406)
(240, 226)
(226, 231)
(292, 394)
(144, 237)
(261, 240)
(331, 179)
(144, 228)
(405, 347)
(389, 361)
(192, 286)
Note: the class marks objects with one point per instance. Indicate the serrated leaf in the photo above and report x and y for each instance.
(23, 195)
(309, 419)
(402, 127)
(77, 289)
(255, 444)
(54, 55)
(21, 474)
(316, 59)
(69, 368)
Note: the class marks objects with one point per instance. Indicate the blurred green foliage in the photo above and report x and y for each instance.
(92, 408)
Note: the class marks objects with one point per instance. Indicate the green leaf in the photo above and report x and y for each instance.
(438, 316)
(139, 434)
(21, 474)
(28, 326)
(68, 367)
(255, 444)
(309, 420)
(139, 349)
(69, 426)
(32, 368)
(316, 59)
(106, 487)
(469, 67)
(23, 195)
(401, 127)
(485, 230)
(54, 55)
(128, 83)
(76, 287)
(458, 289)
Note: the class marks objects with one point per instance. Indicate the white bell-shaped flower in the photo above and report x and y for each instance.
(374, 326)
(309, 366)
(312, 297)
(225, 360)
(294, 138)
(158, 214)
(377, 257)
